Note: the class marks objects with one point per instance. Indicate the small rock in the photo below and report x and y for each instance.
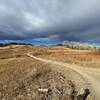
(82, 94)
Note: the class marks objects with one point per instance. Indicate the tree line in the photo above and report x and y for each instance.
(80, 46)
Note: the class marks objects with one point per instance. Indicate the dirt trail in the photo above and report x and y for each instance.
(90, 75)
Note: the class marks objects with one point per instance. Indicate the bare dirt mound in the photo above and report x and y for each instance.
(59, 88)
(47, 86)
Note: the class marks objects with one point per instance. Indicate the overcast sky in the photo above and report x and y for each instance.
(54, 20)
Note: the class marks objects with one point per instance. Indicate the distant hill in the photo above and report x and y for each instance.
(13, 43)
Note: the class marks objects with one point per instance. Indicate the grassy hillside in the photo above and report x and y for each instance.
(21, 77)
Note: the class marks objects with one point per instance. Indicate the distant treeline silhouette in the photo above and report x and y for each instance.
(13, 43)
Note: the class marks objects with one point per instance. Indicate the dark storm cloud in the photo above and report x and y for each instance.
(75, 20)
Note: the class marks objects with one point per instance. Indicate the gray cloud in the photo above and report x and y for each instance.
(75, 20)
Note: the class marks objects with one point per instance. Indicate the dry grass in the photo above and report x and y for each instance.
(21, 77)
(85, 58)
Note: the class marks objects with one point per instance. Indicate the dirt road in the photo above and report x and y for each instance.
(90, 75)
